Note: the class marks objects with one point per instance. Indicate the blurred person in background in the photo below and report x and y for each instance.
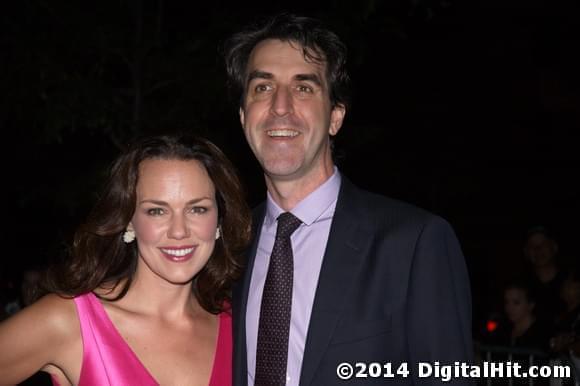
(519, 306)
(566, 339)
(520, 328)
(547, 276)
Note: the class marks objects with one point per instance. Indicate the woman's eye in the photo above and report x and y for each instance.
(199, 209)
(155, 211)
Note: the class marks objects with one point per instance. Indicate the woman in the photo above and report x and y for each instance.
(526, 330)
(144, 299)
(522, 334)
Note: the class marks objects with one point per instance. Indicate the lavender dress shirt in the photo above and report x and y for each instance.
(308, 245)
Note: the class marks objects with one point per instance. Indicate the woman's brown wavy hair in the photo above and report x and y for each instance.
(100, 258)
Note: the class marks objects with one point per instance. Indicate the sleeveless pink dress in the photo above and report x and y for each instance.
(109, 361)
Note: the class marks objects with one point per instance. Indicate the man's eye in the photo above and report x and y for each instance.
(304, 89)
(155, 211)
(262, 88)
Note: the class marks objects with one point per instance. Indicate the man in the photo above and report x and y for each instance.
(372, 279)
(541, 250)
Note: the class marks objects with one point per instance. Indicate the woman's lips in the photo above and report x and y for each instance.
(178, 254)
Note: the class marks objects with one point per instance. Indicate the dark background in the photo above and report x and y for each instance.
(466, 108)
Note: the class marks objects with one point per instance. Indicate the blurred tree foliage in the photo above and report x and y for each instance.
(81, 79)
(453, 103)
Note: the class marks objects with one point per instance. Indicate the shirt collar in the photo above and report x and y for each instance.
(312, 206)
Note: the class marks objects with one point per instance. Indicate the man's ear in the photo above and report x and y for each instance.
(336, 118)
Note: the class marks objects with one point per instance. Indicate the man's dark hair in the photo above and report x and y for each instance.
(539, 229)
(318, 44)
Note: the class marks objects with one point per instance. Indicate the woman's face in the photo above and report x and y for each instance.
(516, 304)
(175, 219)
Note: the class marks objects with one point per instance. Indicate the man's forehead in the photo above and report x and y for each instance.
(538, 237)
(270, 49)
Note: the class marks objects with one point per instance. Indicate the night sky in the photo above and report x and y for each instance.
(469, 110)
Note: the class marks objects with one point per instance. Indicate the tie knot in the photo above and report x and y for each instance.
(287, 224)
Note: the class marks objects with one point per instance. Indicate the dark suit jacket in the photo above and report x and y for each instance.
(393, 288)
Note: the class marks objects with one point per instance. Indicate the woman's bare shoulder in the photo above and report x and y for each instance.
(46, 332)
(57, 312)
(50, 314)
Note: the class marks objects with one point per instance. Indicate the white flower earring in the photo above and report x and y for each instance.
(129, 236)
(218, 232)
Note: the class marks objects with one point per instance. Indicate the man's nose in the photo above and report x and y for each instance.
(282, 102)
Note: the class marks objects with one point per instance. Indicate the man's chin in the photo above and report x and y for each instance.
(281, 168)
(281, 174)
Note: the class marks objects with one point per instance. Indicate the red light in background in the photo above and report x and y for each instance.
(491, 325)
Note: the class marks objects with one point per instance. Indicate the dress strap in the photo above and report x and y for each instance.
(221, 374)
(107, 358)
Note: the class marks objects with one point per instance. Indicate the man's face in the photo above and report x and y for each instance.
(540, 249)
(287, 115)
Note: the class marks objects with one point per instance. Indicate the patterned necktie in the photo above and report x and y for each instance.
(274, 325)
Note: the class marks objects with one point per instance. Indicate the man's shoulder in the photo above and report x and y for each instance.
(258, 213)
(380, 213)
(377, 208)
(380, 205)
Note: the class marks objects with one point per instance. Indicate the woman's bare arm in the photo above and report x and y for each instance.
(45, 334)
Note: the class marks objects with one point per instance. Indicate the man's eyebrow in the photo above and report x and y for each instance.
(257, 74)
(314, 78)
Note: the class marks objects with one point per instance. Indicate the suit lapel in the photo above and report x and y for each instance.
(341, 259)
(240, 301)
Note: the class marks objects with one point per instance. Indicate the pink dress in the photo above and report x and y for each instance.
(109, 361)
